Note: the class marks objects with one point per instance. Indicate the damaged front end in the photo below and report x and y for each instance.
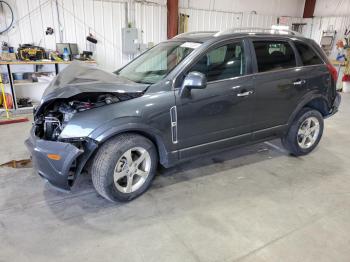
(51, 118)
(60, 159)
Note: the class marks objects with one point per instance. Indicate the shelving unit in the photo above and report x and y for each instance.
(11, 84)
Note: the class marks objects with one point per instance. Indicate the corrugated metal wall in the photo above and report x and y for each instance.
(200, 19)
(152, 20)
(103, 18)
(292, 8)
(332, 7)
(317, 25)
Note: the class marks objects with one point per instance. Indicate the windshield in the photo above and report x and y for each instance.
(155, 64)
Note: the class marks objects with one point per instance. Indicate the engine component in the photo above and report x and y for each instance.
(53, 118)
(52, 127)
(67, 111)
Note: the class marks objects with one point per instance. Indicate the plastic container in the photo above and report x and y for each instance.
(18, 76)
(65, 54)
(346, 86)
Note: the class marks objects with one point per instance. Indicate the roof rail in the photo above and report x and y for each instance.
(257, 30)
(195, 33)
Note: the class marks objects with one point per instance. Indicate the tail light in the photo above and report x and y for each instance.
(333, 71)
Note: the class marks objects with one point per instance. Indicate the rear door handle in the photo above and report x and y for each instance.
(245, 93)
(299, 82)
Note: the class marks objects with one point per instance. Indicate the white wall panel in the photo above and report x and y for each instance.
(103, 18)
(23, 23)
(36, 24)
(263, 7)
(261, 21)
(203, 20)
(332, 8)
(99, 32)
(88, 18)
(118, 13)
(48, 21)
(317, 25)
(79, 24)
(15, 34)
(152, 20)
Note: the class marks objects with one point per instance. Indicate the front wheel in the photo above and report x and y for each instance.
(305, 132)
(124, 167)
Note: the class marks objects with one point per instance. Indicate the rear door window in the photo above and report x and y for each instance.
(307, 54)
(274, 55)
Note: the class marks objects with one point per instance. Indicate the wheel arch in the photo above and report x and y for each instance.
(141, 129)
(156, 140)
(320, 104)
(315, 101)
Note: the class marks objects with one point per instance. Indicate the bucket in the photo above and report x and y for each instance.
(18, 76)
(346, 87)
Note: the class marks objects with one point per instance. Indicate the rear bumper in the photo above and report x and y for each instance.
(57, 172)
(335, 106)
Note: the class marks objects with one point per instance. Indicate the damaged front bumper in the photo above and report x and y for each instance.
(62, 171)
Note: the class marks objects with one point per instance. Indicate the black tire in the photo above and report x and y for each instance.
(106, 158)
(290, 141)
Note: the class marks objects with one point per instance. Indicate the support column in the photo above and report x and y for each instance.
(309, 8)
(173, 14)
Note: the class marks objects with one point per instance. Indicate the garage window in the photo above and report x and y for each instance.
(307, 55)
(274, 55)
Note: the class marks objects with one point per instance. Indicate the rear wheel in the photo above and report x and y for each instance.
(124, 167)
(305, 132)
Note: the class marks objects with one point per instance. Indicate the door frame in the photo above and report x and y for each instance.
(273, 131)
(247, 56)
(254, 62)
(222, 143)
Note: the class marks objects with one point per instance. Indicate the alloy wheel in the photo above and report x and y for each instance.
(132, 170)
(308, 132)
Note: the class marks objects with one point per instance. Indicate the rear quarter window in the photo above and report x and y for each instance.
(307, 54)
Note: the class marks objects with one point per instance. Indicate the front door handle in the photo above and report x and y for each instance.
(248, 93)
(299, 82)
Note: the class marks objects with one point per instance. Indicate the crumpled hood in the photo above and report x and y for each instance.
(80, 78)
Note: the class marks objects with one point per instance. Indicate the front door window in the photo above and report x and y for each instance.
(223, 62)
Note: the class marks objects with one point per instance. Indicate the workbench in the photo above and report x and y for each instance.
(11, 80)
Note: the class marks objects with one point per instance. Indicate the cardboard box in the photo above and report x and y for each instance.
(8, 57)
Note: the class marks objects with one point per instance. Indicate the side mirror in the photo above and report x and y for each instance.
(194, 80)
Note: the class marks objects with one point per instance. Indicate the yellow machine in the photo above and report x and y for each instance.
(8, 119)
(30, 52)
(4, 102)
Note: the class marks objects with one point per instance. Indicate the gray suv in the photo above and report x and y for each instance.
(194, 94)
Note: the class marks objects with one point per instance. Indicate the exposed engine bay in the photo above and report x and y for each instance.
(53, 116)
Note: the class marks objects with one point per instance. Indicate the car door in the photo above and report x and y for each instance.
(219, 115)
(278, 85)
(314, 70)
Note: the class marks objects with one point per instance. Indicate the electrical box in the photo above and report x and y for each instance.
(130, 42)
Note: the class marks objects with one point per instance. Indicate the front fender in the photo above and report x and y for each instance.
(121, 125)
(136, 125)
(148, 115)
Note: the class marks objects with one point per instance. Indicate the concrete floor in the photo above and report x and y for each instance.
(251, 204)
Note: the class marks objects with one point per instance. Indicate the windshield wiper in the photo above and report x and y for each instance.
(141, 82)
